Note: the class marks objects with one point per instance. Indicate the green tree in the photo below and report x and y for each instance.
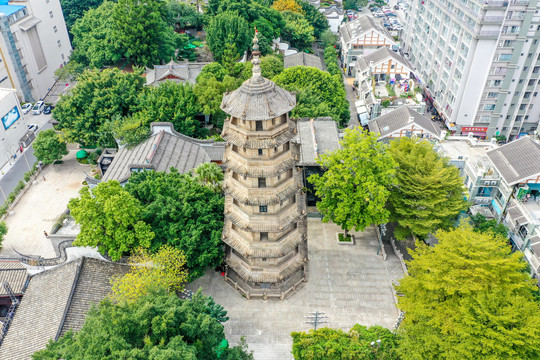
(481, 224)
(336, 344)
(76, 9)
(48, 147)
(297, 31)
(319, 93)
(331, 61)
(3, 232)
(315, 18)
(110, 218)
(140, 29)
(210, 175)
(216, 311)
(271, 66)
(151, 272)
(94, 101)
(228, 28)
(130, 131)
(158, 326)
(329, 38)
(428, 192)
(182, 213)
(172, 102)
(468, 298)
(354, 187)
(181, 16)
(93, 39)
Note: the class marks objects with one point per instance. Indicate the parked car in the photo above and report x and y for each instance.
(390, 14)
(359, 9)
(47, 109)
(396, 7)
(385, 24)
(38, 108)
(26, 108)
(379, 14)
(32, 127)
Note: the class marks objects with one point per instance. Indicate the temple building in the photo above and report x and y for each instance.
(265, 214)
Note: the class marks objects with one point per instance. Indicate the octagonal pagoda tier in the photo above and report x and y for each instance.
(265, 215)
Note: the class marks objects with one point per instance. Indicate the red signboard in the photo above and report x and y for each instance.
(474, 128)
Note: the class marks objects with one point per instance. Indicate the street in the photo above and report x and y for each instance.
(10, 175)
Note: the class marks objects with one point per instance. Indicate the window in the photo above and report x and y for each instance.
(489, 107)
(262, 182)
(286, 146)
(235, 148)
(15, 37)
(263, 209)
(491, 94)
(504, 57)
(260, 152)
(51, 14)
(54, 28)
(264, 236)
(59, 43)
(258, 126)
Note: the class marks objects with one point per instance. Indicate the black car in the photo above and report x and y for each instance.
(47, 109)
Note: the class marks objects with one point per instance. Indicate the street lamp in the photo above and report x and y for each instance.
(376, 345)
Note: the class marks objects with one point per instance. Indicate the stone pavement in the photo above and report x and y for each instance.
(351, 97)
(41, 206)
(351, 284)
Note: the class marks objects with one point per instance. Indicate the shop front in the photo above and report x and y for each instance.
(478, 132)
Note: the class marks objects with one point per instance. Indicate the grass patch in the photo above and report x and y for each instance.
(343, 238)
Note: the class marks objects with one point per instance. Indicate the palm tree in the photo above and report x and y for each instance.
(209, 174)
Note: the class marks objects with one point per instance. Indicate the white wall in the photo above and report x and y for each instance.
(9, 138)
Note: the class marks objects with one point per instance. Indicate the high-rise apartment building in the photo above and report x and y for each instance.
(34, 42)
(479, 61)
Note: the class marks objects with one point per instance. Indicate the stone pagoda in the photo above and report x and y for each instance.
(265, 215)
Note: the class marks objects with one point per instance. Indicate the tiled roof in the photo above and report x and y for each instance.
(517, 160)
(351, 30)
(380, 55)
(303, 59)
(258, 99)
(400, 118)
(176, 71)
(316, 137)
(56, 300)
(15, 274)
(163, 150)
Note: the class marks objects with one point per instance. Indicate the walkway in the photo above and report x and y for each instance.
(351, 97)
(351, 284)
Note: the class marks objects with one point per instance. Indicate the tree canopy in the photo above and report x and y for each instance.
(290, 5)
(183, 213)
(336, 344)
(75, 9)
(48, 147)
(96, 99)
(151, 272)
(228, 28)
(319, 93)
(428, 192)
(468, 297)
(171, 102)
(354, 187)
(297, 30)
(481, 224)
(315, 18)
(157, 326)
(110, 218)
(143, 35)
(180, 16)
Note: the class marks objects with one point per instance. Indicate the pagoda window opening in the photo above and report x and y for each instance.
(260, 152)
(283, 119)
(258, 126)
(286, 146)
(235, 176)
(234, 121)
(235, 148)
(262, 182)
(264, 236)
(263, 209)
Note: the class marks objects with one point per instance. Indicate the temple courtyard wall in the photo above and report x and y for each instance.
(350, 283)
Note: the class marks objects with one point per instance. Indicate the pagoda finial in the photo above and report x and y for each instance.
(256, 53)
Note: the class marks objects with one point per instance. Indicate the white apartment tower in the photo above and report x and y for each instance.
(479, 61)
(34, 42)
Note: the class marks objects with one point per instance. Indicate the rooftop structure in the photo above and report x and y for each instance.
(303, 59)
(185, 72)
(316, 137)
(55, 301)
(404, 122)
(265, 217)
(164, 149)
(383, 61)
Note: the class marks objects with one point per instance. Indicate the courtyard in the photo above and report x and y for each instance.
(350, 284)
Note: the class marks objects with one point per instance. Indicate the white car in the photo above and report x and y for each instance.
(26, 108)
(38, 108)
(32, 127)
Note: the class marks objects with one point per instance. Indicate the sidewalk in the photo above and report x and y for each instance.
(41, 206)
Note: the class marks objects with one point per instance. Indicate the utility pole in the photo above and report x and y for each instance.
(316, 318)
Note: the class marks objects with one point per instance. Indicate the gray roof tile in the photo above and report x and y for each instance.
(15, 274)
(174, 71)
(400, 118)
(380, 55)
(517, 160)
(351, 30)
(303, 59)
(322, 131)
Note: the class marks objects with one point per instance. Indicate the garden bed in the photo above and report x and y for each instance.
(342, 240)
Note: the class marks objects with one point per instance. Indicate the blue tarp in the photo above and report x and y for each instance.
(10, 9)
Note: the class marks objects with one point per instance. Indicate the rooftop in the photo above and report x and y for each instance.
(55, 301)
(175, 71)
(164, 149)
(303, 59)
(378, 56)
(517, 161)
(9, 9)
(317, 136)
(353, 29)
(15, 274)
(400, 118)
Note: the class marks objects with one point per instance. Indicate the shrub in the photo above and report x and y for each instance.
(3, 231)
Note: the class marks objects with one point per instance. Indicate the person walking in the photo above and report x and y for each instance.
(45, 233)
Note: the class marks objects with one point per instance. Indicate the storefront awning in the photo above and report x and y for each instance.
(475, 133)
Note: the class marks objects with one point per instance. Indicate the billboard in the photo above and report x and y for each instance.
(12, 116)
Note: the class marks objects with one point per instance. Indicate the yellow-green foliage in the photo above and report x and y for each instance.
(162, 270)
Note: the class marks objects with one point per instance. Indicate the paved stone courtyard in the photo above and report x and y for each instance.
(351, 284)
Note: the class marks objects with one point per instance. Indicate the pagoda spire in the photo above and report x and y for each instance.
(256, 60)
